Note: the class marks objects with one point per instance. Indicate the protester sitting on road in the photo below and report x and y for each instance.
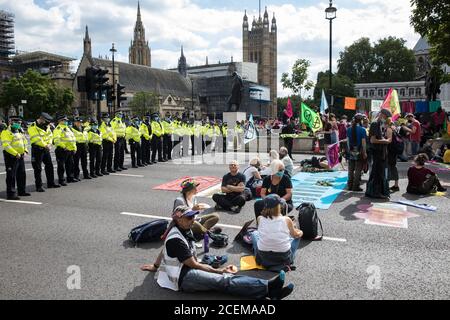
(277, 183)
(188, 198)
(446, 157)
(422, 180)
(287, 161)
(180, 270)
(277, 239)
(252, 171)
(233, 185)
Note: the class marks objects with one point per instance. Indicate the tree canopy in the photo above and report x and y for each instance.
(342, 86)
(143, 103)
(298, 80)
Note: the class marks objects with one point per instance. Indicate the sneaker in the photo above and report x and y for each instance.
(286, 291)
(441, 189)
(275, 285)
(235, 209)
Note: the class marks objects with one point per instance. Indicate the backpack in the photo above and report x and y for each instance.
(397, 145)
(219, 240)
(148, 232)
(308, 221)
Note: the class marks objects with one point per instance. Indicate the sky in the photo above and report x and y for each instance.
(205, 28)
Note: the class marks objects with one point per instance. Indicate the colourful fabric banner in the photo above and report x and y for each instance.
(350, 103)
(323, 103)
(250, 132)
(392, 104)
(311, 118)
(376, 105)
(288, 111)
(333, 155)
(434, 105)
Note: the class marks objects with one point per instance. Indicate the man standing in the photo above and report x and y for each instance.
(416, 133)
(158, 132)
(66, 147)
(225, 136)
(233, 185)
(41, 142)
(81, 137)
(288, 129)
(119, 128)
(109, 138)
(95, 149)
(167, 137)
(133, 136)
(14, 148)
(146, 136)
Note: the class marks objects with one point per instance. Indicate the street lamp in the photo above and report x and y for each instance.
(113, 50)
(330, 14)
(260, 107)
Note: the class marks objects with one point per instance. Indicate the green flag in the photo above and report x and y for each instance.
(311, 118)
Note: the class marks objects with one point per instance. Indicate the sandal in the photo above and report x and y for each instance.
(218, 261)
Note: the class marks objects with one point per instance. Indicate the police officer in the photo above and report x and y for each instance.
(133, 136)
(66, 146)
(146, 136)
(224, 129)
(109, 138)
(14, 148)
(41, 142)
(167, 137)
(81, 137)
(95, 149)
(158, 132)
(119, 147)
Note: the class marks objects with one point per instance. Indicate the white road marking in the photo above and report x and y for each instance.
(219, 224)
(126, 175)
(20, 201)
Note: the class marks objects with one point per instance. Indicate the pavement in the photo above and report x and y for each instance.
(83, 225)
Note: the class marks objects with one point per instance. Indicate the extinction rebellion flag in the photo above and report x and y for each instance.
(250, 131)
(311, 118)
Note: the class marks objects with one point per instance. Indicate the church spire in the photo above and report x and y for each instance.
(182, 65)
(139, 12)
(139, 50)
(87, 49)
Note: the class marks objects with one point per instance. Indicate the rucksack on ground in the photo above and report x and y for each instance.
(148, 232)
(309, 221)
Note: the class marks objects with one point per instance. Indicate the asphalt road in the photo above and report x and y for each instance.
(82, 225)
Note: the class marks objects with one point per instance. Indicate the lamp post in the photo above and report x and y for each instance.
(330, 14)
(260, 107)
(113, 50)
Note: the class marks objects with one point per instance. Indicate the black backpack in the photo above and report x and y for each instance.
(149, 232)
(308, 221)
(397, 145)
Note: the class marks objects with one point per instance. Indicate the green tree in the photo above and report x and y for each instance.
(143, 103)
(357, 61)
(40, 92)
(342, 86)
(298, 81)
(296, 101)
(431, 19)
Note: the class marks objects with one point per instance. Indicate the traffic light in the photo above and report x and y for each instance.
(90, 83)
(101, 79)
(96, 82)
(120, 94)
(110, 95)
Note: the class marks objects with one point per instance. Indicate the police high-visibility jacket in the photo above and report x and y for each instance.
(95, 137)
(132, 133)
(64, 138)
(217, 131)
(238, 129)
(168, 127)
(178, 129)
(39, 136)
(157, 129)
(143, 129)
(209, 131)
(119, 127)
(14, 143)
(225, 131)
(197, 130)
(80, 136)
(108, 133)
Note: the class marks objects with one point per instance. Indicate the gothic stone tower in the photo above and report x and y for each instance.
(182, 65)
(260, 46)
(139, 49)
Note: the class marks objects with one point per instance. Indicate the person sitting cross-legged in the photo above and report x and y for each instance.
(422, 180)
(180, 270)
(233, 185)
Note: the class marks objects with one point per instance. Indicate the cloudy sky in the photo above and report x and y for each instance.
(205, 28)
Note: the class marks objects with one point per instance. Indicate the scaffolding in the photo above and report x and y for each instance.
(6, 36)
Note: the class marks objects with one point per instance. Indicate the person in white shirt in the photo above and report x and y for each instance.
(287, 161)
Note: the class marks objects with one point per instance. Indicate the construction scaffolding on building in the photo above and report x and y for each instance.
(6, 36)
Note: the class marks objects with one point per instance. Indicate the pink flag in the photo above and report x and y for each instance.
(392, 104)
(333, 155)
(288, 111)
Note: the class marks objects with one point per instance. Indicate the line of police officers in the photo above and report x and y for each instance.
(105, 143)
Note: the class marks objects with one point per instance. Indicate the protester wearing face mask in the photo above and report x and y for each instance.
(95, 149)
(277, 183)
(14, 146)
(133, 136)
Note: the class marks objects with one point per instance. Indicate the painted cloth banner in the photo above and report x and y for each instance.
(288, 111)
(350, 103)
(333, 155)
(250, 133)
(434, 105)
(323, 103)
(376, 105)
(392, 104)
(311, 118)
(363, 106)
(422, 106)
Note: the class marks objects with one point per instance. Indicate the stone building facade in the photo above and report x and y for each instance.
(139, 52)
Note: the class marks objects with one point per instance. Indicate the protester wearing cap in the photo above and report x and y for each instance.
(377, 186)
(82, 138)
(181, 271)
(14, 146)
(277, 239)
(158, 133)
(133, 136)
(95, 141)
(41, 137)
(109, 139)
(416, 133)
(357, 153)
(119, 128)
(146, 137)
(188, 198)
(66, 146)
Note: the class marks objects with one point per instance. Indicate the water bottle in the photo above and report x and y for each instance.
(206, 242)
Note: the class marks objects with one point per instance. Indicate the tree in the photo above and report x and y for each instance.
(431, 19)
(387, 60)
(342, 86)
(299, 78)
(40, 92)
(296, 101)
(143, 103)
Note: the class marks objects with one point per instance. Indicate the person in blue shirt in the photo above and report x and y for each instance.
(356, 142)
